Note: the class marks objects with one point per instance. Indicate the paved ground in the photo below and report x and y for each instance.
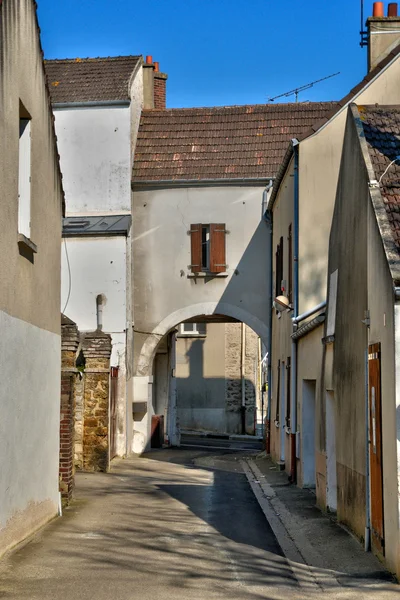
(177, 524)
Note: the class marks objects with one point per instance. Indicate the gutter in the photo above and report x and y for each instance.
(194, 182)
(94, 103)
(307, 327)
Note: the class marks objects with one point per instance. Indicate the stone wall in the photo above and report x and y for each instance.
(233, 385)
(96, 349)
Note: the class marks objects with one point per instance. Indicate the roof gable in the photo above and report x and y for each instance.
(227, 142)
(90, 79)
(336, 108)
(381, 131)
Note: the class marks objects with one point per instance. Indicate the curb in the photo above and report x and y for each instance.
(299, 553)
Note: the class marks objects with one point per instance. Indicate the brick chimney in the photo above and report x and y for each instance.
(383, 32)
(154, 85)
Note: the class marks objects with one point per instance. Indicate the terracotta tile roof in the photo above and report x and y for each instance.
(336, 107)
(90, 79)
(242, 142)
(382, 132)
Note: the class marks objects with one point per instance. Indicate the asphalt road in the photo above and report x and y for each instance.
(158, 527)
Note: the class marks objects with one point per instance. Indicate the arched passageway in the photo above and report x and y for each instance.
(208, 380)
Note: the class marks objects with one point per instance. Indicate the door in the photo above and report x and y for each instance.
(375, 447)
(331, 479)
(282, 412)
(113, 411)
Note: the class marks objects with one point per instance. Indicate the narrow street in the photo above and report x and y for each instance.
(180, 524)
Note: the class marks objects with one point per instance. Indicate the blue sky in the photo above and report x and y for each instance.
(218, 52)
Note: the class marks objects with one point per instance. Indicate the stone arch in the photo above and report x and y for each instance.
(149, 347)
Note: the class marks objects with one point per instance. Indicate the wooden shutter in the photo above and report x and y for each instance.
(195, 244)
(217, 248)
(290, 265)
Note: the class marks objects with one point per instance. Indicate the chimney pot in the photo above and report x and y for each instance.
(149, 59)
(392, 9)
(378, 9)
(156, 66)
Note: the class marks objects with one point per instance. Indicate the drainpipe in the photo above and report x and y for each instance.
(268, 218)
(243, 374)
(293, 399)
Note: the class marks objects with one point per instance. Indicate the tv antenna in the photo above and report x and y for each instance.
(296, 91)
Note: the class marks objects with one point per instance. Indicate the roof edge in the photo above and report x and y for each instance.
(382, 220)
(255, 181)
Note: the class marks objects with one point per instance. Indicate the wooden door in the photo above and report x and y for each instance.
(375, 447)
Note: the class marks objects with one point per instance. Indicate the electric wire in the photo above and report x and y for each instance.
(69, 276)
(387, 168)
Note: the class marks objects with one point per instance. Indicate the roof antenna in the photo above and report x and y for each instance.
(296, 91)
(363, 32)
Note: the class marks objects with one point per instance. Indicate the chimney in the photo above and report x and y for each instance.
(383, 32)
(154, 85)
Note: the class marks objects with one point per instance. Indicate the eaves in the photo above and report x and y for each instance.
(308, 327)
(172, 183)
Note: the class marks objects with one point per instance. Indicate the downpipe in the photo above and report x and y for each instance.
(293, 364)
(243, 374)
(267, 216)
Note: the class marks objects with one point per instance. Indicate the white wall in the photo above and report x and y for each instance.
(30, 361)
(161, 254)
(95, 154)
(98, 266)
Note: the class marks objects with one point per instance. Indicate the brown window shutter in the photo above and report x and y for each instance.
(290, 265)
(195, 243)
(217, 248)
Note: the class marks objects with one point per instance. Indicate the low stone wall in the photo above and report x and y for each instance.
(84, 408)
(96, 349)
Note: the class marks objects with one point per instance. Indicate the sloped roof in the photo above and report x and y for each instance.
(381, 126)
(336, 108)
(227, 142)
(90, 79)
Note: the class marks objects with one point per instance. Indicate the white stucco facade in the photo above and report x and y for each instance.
(94, 143)
(30, 360)
(98, 266)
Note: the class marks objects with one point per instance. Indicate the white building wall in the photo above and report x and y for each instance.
(97, 266)
(95, 154)
(30, 361)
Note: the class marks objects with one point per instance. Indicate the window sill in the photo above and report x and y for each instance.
(191, 335)
(204, 274)
(26, 247)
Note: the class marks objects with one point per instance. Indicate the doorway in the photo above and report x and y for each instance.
(331, 483)
(375, 447)
(308, 432)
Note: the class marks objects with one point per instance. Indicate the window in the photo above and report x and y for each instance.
(288, 400)
(192, 329)
(279, 268)
(24, 172)
(208, 253)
